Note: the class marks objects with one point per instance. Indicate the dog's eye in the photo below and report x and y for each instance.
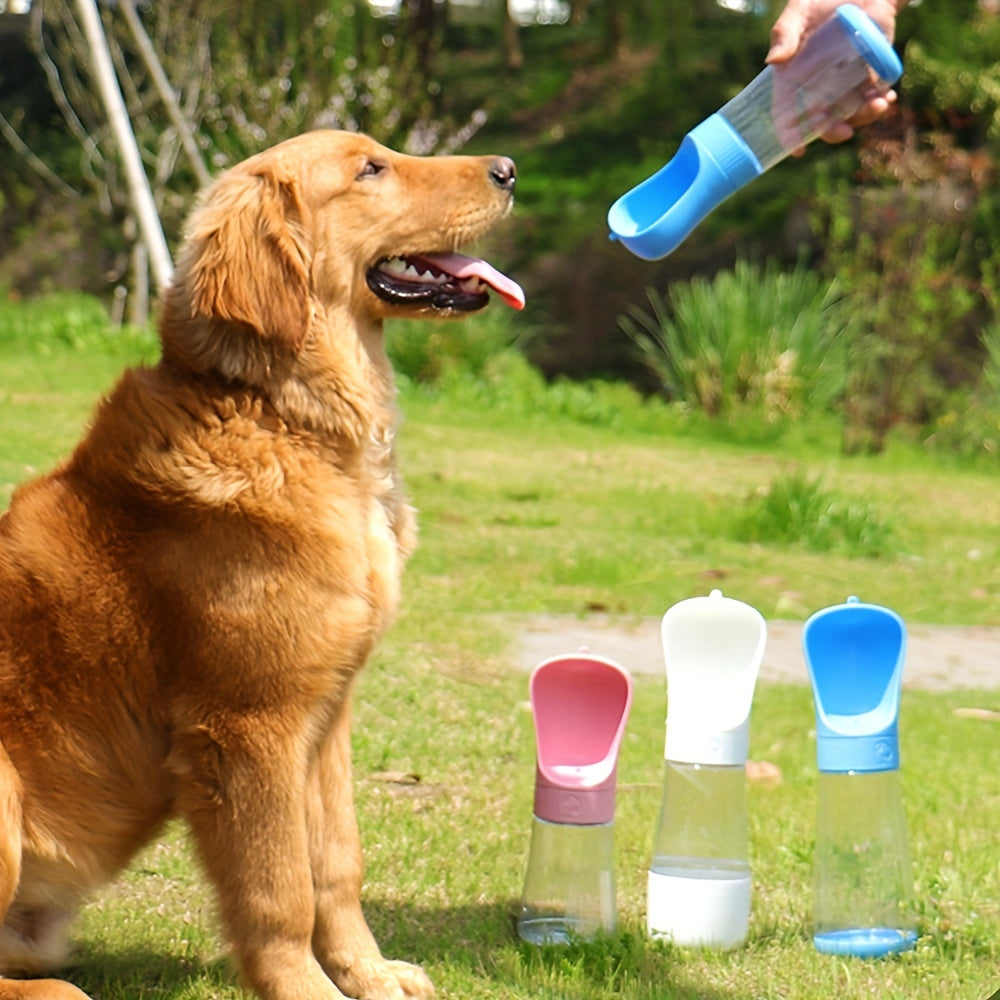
(372, 168)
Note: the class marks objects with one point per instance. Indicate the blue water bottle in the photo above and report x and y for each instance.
(846, 62)
(862, 878)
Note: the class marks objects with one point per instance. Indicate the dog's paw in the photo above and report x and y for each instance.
(39, 989)
(412, 980)
(382, 980)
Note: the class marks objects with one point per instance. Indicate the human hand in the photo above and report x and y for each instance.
(800, 18)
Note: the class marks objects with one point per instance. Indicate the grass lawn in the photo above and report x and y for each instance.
(526, 512)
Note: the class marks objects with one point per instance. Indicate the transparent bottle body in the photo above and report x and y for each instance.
(788, 105)
(862, 881)
(569, 886)
(699, 878)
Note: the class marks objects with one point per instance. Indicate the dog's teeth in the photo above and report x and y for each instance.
(421, 273)
(427, 276)
(395, 265)
(399, 267)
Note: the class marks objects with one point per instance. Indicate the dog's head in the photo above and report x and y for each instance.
(333, 222)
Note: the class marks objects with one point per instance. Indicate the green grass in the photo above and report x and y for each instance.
(56, 356)
(552, 500)
(526, 513)
(795, 510)
(446, 856)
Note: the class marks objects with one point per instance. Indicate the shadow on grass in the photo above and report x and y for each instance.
(140, 973)
(471, 945)
(480, 940)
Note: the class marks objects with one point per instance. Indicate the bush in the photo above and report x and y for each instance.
(971, 428)
(797, 510)
(510, 384)
(971, 431)
(912, 252)
(46, 325)
(752, 338)
(991, 370)
(425, 351)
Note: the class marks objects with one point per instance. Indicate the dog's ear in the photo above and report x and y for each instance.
(249, 261)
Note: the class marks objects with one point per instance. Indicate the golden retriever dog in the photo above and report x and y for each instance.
(186, 602)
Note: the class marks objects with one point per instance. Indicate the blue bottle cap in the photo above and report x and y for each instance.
(656, 216)
(855, 655)
(872, 45)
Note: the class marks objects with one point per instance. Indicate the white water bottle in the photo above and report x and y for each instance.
(698, 890)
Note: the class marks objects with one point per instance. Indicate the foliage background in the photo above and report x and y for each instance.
(898, 227)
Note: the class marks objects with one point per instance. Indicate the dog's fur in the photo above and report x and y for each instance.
(185, 603)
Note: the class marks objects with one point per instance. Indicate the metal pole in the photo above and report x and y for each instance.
(135, 175)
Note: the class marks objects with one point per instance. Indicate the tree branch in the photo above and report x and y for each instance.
(39, 166)
(165, 91)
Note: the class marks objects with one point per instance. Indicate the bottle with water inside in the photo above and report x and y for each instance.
(699, 880)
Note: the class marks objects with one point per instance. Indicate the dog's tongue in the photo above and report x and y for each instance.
(460, 266)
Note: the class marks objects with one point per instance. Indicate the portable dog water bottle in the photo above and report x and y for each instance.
(843, 64)
(580, 704)
(699, 879)
(862, 877)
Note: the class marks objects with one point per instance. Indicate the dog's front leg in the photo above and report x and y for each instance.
(342, 941)
(242, 789)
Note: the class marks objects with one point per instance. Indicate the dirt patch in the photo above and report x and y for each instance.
(938, 658)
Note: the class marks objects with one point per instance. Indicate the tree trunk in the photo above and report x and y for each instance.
(614, 29)
(423, 26)
(513, 55)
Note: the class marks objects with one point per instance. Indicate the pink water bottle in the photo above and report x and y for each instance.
(580, 705)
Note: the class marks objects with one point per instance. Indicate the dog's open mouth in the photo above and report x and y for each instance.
(441, 281)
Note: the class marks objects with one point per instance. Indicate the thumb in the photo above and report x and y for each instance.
(786, 36)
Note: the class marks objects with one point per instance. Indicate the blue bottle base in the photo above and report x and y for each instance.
(865, 942)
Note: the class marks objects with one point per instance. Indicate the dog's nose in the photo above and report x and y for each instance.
(503, 173)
